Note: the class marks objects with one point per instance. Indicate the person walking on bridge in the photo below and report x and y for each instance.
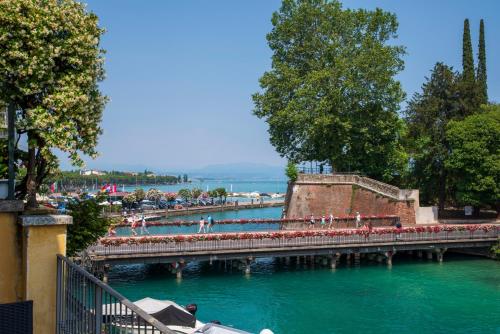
(358, 220)
(133, 225)
(311, 222)
(330, 221)
(202, 226)
(144, 229)
(209, 223)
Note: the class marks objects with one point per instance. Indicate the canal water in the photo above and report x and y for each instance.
(461, 295)
(271, 212)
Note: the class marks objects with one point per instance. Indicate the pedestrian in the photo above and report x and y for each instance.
(202, 226)
(209, 223)
(358, 220)
(111, 231)
(330, 221)
(323, 221)
(311, 222)
(398, 230)
(144, 229)
(133, 225)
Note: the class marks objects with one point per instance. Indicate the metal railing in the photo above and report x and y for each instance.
(86, 305)
(285, 242)
(316, 169)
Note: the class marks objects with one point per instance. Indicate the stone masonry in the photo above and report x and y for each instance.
(322, 194)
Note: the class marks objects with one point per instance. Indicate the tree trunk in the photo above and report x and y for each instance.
(31, 175)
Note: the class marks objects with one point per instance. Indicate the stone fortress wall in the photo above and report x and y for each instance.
(345, 194)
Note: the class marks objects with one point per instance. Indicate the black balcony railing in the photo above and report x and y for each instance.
(87, 305)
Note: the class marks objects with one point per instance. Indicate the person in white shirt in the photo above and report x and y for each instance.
(202, 226)
(358, 220)
(144, 229)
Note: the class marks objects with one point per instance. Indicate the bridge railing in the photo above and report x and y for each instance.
(87, 305)
(276, 244)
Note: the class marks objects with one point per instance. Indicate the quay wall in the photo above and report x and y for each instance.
(324, 194)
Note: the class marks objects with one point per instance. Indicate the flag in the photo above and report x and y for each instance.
(114, 188)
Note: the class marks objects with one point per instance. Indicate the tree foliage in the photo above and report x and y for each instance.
(427, 116)
(470, 95)
(185, 194)
(139, 194)
(196, 192)
(88, 224)
(331, 94)
(153, 195)
(221, 193)
(481, 66)
(291, 171)
(467, 58)
(50, 66)
(475, 158)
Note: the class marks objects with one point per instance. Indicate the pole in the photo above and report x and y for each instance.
(11, 115)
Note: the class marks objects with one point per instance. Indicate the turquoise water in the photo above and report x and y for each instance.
(461, 295)
(273, 212)
(268, 186)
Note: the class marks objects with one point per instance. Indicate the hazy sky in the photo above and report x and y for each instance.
(180, 74)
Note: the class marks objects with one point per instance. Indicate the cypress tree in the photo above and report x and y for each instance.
(481, 66)
(467, 58)
(469, 93)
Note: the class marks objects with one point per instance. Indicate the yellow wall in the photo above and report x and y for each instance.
(42, 243)
(10, 259)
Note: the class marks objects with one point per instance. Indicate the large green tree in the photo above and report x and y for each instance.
(481, 66)
(331, 94)
(50, 66)
(475, 158)
(427, 116)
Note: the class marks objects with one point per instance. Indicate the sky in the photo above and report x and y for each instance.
(180, 73)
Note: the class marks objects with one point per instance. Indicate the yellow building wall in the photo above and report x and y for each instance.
(42, 243)
(11, 282)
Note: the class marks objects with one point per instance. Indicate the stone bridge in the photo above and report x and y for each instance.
(329, 245)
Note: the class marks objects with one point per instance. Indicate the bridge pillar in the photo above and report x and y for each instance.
(180, 266)
(389, 255)
(287, 260)
(429, 255)
(105, 273)
(334, 260)
(348, 259)
(419, 254)
(248, 262)
(440, 253)
(357, 259)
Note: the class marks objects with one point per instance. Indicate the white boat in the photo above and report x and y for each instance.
(174, 316)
